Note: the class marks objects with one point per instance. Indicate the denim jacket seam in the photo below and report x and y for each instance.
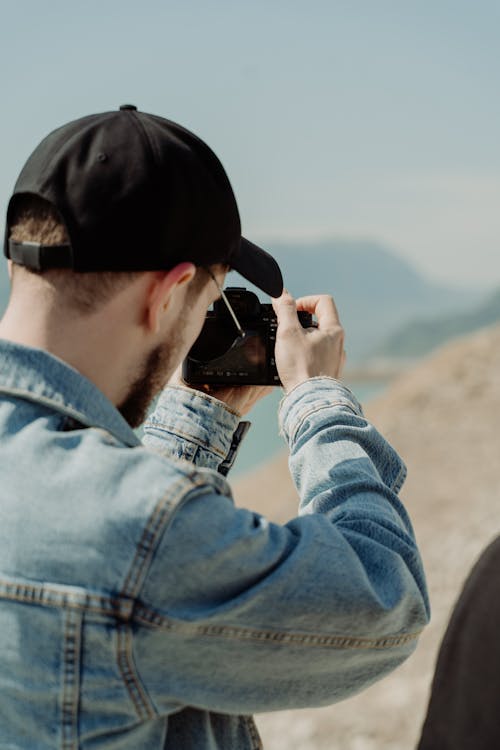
(176, 432)
(156, 525)
(38, 594)
(212, 400)
(253, 732)
(399, 480)
(126, 664)
(152, 531)
(345, 393)
(185, 463)
(313, 410)
(71, 678)
(66, 410)
(310, 380)
(149, 617)
(45, 401)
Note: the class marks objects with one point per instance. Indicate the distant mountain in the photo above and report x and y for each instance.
(376, 291)
(422, 336)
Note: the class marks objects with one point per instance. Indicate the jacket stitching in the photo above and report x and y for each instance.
(115, 612)
(302, 417)
(150, 617)
(33, 594)
(177, 432)
(68, 410)
(129, 675)
(399, 480)
(71, 680)
(254, 733)
(155, 526)
(187, 451)
(147, 543)
(212, 400)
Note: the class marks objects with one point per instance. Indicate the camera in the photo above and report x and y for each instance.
(220, 355)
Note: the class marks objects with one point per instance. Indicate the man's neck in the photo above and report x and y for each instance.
(99, 346)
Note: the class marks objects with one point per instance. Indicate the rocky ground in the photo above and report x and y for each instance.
(442, 418)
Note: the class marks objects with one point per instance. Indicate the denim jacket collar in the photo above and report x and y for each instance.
(60, 387)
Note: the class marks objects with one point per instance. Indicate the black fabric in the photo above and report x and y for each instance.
(139, 192)
(464, 707)
(238, 436)
(254, 264)
(39, 257)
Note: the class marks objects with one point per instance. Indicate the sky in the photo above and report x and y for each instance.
(356, 118)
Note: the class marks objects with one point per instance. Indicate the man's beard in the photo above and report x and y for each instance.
(153, 376)
(159, 366)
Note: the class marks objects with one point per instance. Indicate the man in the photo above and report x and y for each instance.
(139, 608)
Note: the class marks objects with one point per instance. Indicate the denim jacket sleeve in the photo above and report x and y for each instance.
(253, 616)
(191, 425)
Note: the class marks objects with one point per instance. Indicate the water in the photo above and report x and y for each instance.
(263, 440)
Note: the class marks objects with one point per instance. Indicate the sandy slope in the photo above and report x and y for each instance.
(443, 419)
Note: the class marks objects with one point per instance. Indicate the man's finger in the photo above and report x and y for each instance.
(323, 307)
(285, 309)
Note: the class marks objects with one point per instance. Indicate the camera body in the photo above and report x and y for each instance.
(220, 356)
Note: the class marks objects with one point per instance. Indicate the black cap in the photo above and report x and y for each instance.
(136, 192)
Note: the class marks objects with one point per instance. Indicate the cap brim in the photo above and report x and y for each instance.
(258, 267)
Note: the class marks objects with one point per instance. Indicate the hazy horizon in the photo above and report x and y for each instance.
(367, 120)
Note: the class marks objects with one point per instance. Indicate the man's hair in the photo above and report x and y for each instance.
(34, 219)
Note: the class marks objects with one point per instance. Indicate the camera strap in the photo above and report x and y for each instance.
(238, 436)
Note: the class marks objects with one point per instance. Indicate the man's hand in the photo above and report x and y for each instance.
(303, 353)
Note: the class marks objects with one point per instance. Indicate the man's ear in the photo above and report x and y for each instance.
(162, 291)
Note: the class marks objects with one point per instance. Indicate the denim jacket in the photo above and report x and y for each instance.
(139, 608)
